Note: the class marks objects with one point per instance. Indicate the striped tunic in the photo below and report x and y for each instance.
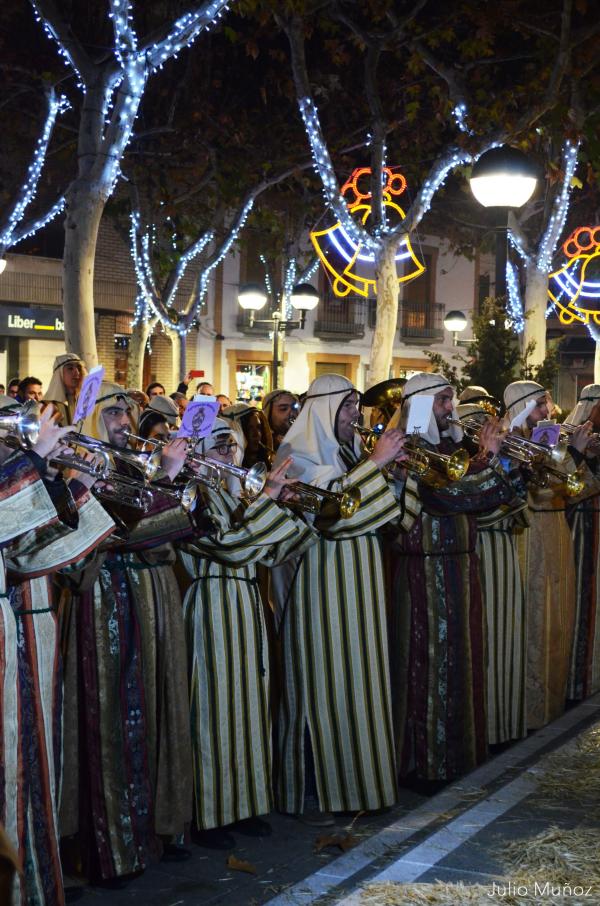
(336, 674)
(229, 657)
(127, 750)
(506, 623)
(438, 637)
(38, 722)
(584, 675)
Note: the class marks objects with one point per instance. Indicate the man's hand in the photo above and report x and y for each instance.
(580, 437)
(490, 438)
(50, 434)
(389, 448)
(277, 484)
(173, 456)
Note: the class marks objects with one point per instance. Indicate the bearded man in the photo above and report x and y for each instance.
(280, 408)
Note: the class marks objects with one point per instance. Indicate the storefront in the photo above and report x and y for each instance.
(31, 336)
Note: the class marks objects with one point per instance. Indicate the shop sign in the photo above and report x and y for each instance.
(41, 322)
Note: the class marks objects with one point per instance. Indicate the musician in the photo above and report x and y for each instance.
(44, 526)
(228, 648)
(437, 649)
(280, 408)
(503, 595)
(584, 520)
(547, 557)
(128, 761)
(335, 734)
(252, 434)
(166, 407)
(68, 373)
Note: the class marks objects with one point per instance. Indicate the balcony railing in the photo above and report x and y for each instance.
(421, 323)
(341, 319)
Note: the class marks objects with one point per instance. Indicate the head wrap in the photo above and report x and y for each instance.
(271, 397)
(519, 393)
(109, 393)
(589, 396)
(235, 416)
(56, 392)
(425, 384)
(473, 393)
(166, 407)
(221, 430)
(311, 440)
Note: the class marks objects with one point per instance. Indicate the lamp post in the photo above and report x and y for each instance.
(455, 322)
(503, 178)
(252, 298)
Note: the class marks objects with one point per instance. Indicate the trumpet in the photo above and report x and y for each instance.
(147, 464)
(542, 460)
(369, 436)
(318, 501)
(252, 480)
(423, 461)
(23, 426)
(186, 494)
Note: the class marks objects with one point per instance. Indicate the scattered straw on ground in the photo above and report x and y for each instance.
(439, 893)
(558, 855)
(572, 773)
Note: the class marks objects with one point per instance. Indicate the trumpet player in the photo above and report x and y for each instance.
(127, 743)
(437, 646)
(548, 563)
(335, 731)
(583, 518)
(228, 646)
(45, 525)
(280, 408)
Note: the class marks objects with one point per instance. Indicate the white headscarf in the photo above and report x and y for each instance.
(520, 395)
(426, 384)
(56, 392)
(311, 440)
(590, 395)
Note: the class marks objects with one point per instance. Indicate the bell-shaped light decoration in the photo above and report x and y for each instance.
(503, 178)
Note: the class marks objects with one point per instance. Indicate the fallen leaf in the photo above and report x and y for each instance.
(240, 865)
(343, 842)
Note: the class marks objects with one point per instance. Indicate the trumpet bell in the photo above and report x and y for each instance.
(255, 479)
(23, 425)
(349, 503)
(457, 465)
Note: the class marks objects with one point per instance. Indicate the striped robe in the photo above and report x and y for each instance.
(31, 558)
(438, 637)
(127, 748)
(584, 520)
(548, 567)
(506, 624)
(229, 656)
(335, 651)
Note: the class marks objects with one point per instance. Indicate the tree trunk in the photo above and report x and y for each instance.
(84, 213)
(176, 352)
(137, 348)
(386, 323)
(536, 301)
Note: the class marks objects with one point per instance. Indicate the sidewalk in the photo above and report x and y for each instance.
(453, 836)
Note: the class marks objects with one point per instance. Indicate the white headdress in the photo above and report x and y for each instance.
(425, 384)
(590, 395)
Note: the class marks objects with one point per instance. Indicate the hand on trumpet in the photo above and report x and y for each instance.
(490, 438)
(389, 448)
(580, 437)
(278, 486)
(50, 434)
(174, 455)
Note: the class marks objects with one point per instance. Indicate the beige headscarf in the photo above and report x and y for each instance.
(166, 407)
(519, 396)
(270, 399)
(426, 384)
(56, 388)
(311, 440)
(93, 425)
(589, 396)
(473, 392)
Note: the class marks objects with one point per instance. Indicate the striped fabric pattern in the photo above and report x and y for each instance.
(229, 658)
(336, 672)
(584, 677)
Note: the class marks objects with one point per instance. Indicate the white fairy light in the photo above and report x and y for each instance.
(560, 209)
(514, 308)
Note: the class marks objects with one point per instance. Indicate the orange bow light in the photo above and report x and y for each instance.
(351, 267)
(575, 287)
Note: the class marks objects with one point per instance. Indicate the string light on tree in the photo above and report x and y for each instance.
(514, 308)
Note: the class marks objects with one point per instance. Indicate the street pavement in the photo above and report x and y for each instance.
(453, 836)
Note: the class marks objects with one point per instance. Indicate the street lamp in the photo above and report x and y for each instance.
(455, 322)
(253, 297)
(503, 178)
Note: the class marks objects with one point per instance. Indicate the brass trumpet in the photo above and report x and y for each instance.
(252, 480)
(420, 460)
(542, 460)
(22, 426)
(320, 502)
